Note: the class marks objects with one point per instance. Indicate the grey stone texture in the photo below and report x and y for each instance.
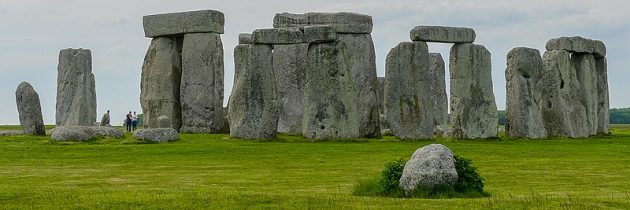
(408, 105)
(161, 80)
(603, 104)
(524, 94)
(105, 121)
(278, 36)
(443, 34)
(342, 22)
(289, 68)
(164, 122)
(29, 110)
(429, 167)
(76, 88)
(157, 135)
(576, 44)
(171, 24)
(201, 89)
(245, 38)
(474, 112)
(437, 89)
(84, 133)
(319, 33)
(253, 105)
(11, 133)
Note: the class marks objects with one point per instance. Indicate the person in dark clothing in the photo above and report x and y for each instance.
(128, 121)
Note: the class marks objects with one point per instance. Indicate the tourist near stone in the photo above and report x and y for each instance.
(105, 121)
(171, 24)
(289, 69)
(29, 110)
(76, 92)
(342, 22)
(443, 34)
(429, 167)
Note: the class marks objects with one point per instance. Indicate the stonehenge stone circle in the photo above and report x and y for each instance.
(437, 89)
(76, 91)
(430, 166)
(342, 22)
(253, 105)
(202, 83)
(157, 135)
(474, 113)
(172, 24)
(576, 44)
(289, 68)
(443, 34)
(408, 102)
(29, 110)
(524, 94)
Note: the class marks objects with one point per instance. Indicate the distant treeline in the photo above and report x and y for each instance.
(617, 116)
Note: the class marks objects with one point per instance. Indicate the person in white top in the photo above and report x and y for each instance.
(134, 121)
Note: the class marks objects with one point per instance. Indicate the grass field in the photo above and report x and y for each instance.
(213, 171)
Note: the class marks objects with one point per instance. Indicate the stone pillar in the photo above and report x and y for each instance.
(30, 110)
(76, 91)
(381, 95)
(474, 112)
(524, 94)
(201, 90)
(289, 66)
(408, 105)
(253, 105)
(437, 89)
(601, 68)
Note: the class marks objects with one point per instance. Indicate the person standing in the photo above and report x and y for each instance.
(128, 121)
(134, 121)
(105, 119)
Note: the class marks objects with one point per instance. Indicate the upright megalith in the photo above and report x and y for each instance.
(289, 68)
(201, 89)
(601, 67)
(161, 79)
(407, 91)
(474, 112)
(253, 105)
(182, 75)
(437, 89)
(76, 91)
(524, 94)
(29, 109)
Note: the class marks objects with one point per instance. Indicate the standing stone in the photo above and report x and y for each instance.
(381, 95)
(407, 100)
(202, 83)
(161, 80)
(601, 69)
(563, 112)
(76, 92)
(577, 44)
(105, 121)
(30, 110)
(289, 67)
(429, 167)
(524, 94)
(585, 68)
(474, 112)
(437, 89)
(253, 105)
(164, 122)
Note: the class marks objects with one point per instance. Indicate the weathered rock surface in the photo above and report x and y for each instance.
(524, 94)
(11, 133)
(245, 38)
(169, 24)
(585, 67)
(76, 88)
(29, 110)
(342, 22)
(443, 131)
(603, 106)
(164, 122)
(437, 89)
(161, 80)
(157, 135)
(83, 133)
(201, 90)
(443, 34)
(253, 105)
(319, 33)
(474, 112)
(278, 36)
(289, 66)
(407, 100)
(578, 44)
(430, 166)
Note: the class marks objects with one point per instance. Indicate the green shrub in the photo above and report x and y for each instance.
(388, 182)
(468, 180)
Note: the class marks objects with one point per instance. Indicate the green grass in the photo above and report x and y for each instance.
(213, 171)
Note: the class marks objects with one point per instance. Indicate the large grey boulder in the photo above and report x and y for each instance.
(161, 80)
(76, 88)
(437, 89)
(253, 105)
(29, 110)
(105, 120)
(603, 104)
(278, 36)
(169, 24)
(157, 135)
(576, 44)
(474, 112)
(11, 133)
(523, 118)
(289, 67)
(429, 167)
(201, 89)
(407, 99)
(342, 22)
(563, 110)
(83, 133)
(443, 34)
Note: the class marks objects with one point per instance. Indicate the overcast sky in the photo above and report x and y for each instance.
(33, 31)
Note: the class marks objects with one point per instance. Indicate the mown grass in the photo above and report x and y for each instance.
(213, 171)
